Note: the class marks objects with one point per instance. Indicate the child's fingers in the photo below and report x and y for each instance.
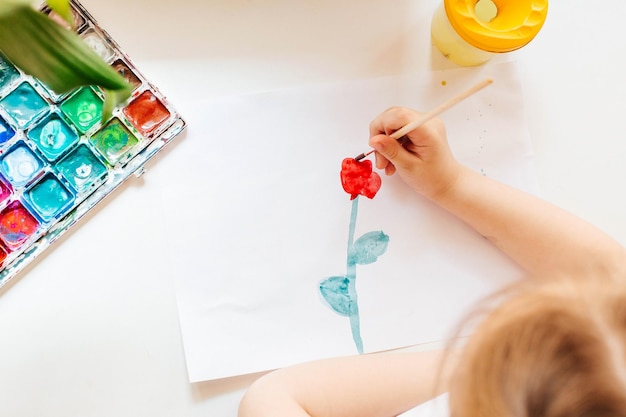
(390, 151)
(384, 164)
(391, 120)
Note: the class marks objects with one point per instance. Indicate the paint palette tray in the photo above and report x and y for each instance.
(58, 159)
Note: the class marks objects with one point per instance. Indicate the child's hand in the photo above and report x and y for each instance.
(423, 159)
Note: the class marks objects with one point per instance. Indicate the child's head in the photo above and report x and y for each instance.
(556, 350)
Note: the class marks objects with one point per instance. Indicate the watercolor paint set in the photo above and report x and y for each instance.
(58, 159)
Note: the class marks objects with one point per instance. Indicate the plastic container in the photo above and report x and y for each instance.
(470, 32)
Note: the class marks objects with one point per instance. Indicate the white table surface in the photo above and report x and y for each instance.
(79, 340)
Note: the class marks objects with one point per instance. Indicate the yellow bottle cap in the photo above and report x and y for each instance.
(516, 22)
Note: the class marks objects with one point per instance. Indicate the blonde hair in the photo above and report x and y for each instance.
(552, 350)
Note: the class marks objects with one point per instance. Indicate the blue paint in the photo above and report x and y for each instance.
(53, 136)
(355, 320)
(340, 291)
(49, 198)
(24, 105)
(8, 73)
(368, 248)
(6, 132)
(82, 169)
(20, 164)
(352, 226)
(336, 292)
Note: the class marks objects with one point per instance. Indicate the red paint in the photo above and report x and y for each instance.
(16, 225)
(146, 113)
(357, 178)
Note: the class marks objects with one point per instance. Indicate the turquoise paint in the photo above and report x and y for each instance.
(53, 136)
(24, 105)
(368, 248)
(340, 291)
(336, 291)
(6, 132)
(49, 198)
(20, 164)
(355, 320)
(81, 168)
(8, 73)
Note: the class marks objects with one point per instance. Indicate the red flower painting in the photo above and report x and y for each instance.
(357, 178)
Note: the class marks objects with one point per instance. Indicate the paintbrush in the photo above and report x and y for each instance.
(399, 134)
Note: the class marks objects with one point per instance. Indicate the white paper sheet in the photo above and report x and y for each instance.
(263, 219)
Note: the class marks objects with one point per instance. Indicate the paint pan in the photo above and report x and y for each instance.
(58, 159)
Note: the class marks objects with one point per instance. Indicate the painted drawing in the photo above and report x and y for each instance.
(339, 291)
(269, 275)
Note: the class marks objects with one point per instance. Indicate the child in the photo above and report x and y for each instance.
(554, 347)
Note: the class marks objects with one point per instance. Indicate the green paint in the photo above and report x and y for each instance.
(83, 108)
(114, 141)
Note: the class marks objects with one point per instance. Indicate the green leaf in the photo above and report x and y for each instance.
(55, 55)
(111, 99)
(63, 9)
(7, 6)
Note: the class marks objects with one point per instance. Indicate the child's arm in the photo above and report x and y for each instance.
(374, 385)
(542, 238)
